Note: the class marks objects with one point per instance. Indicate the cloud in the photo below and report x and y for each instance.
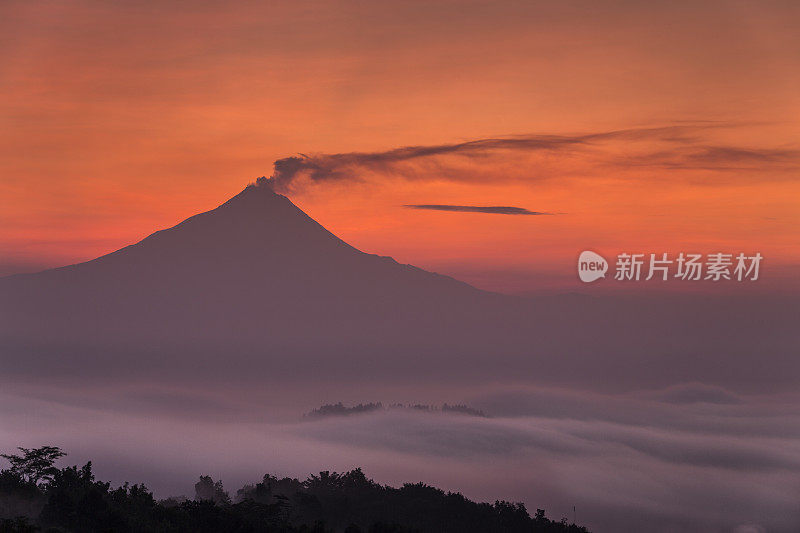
(630, 461)
(495, 209)
(749, 528)
(730, 154)
(456, 436)
(672, 464)
(649, 409)
(696, 393)
(676, 147)
(718, 158)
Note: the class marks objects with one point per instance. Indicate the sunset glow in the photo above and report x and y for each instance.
(445, 266)
(121, 119)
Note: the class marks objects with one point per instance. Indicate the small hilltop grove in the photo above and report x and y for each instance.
(36, 496)
(339, 409)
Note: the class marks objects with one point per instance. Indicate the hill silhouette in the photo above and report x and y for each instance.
(36, 496)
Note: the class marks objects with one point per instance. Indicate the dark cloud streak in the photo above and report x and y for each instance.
(492, 209)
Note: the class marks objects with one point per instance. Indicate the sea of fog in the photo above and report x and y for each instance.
(687, 458)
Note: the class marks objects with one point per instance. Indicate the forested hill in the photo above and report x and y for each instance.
(36, 496)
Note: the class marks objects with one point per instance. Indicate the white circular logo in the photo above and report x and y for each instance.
(591, 266)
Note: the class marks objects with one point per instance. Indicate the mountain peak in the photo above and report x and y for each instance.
(257, 220)
(258, 206)
(258, 194)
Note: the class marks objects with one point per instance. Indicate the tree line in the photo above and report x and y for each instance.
(36, 496)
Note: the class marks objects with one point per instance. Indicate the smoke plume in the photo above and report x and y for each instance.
(671, 148)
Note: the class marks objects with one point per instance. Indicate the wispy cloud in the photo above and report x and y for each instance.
(492, 209)
(718, 158)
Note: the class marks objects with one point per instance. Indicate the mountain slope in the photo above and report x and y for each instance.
(257, 238)
(255, 275)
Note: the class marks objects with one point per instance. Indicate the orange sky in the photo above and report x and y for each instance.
(117, 119)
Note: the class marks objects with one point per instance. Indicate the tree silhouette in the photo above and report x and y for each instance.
(35, 465)
(207, 489)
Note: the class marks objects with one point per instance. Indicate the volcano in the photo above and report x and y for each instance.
(256, 276)
(258, 242)
(257, 289)
(256, 259)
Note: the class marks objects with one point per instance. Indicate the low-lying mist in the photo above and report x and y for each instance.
(691, 457)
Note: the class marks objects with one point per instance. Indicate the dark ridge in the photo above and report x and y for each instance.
(37, 496)
(339, 409)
